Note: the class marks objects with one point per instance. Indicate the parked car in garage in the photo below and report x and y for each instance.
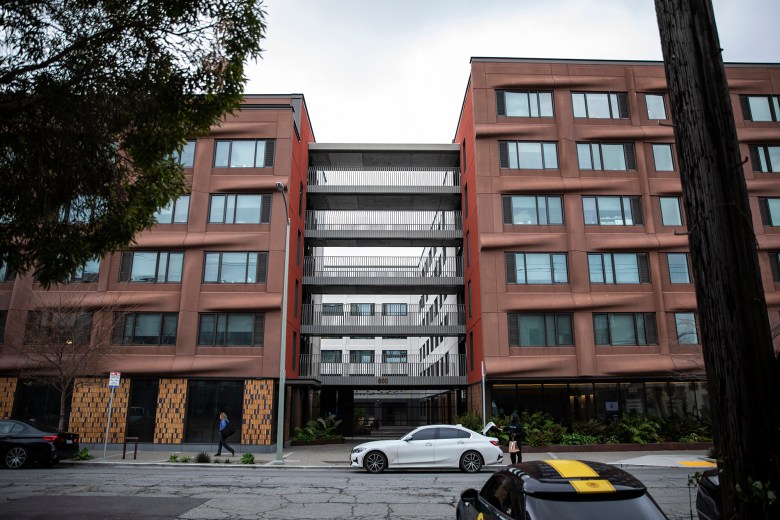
(431, 446)
(561, 490)
(24, 442)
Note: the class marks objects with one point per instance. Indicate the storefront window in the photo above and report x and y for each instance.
(504, 400)
(39, 403)
(205, 401)
(633, 397)
(143, 409)
(581, 402)
(556, 400)
(608, 401)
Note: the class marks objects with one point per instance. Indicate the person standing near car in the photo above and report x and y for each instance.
(225, 431)
(516, 435)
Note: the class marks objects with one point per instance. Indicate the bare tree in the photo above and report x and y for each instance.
(66, 337)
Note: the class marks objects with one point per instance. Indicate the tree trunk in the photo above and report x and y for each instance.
(737, 346)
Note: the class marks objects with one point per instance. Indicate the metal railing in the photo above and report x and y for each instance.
(434, 369)
(384, 176)
(364, 220)
(382, 267)
(383, 319)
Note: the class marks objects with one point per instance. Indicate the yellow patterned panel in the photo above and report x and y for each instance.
(89, 410)
(257, 423)
(7, 394)
(171, 408)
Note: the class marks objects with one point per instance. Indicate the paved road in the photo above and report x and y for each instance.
(216, 492)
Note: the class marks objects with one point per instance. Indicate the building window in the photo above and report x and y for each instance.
(774, 263)
(240, 209)
(300, 200)
(536, 268)
(330, 356)
(465, 201)
(6, 274)
(257, 153)
(685, 323)
(663, 157)
(616, 268)
(471, 312)
(177, 212)
(235, 267)
(770, 211)
(678, 267)
(58, 328)
(765, 158)
(3, 318)
(87, 273)
(298, 251)
(394, 356)
(656, 107)
(540, 330)
(231, 329)
(145, 328)
(533, 209)
(361, 356)
(332, 309)
(760, 108)
(394, 309)
(468, 249)
(151, 266)
(600, 105)
(612, 211)
(524, 104)
(625, 328)
(297, 298)
(670, 211)
(471, 351)
(526, 155)
(185, 156)
(361, 309)
(605, 156)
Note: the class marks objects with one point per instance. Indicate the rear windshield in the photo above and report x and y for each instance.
(634, 508)
(45, 428)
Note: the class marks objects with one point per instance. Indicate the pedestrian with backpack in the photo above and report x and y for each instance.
(225, 431)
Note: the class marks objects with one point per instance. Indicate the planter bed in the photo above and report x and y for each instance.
(658, 446)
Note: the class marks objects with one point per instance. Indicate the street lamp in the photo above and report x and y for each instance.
(283, 347)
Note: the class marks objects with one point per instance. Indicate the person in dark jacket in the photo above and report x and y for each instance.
(516, 433)
(225, 431)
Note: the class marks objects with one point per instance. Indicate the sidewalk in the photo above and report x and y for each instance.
(337, 455)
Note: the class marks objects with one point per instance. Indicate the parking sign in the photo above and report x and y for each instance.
(113, 379)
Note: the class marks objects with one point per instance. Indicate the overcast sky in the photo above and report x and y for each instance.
(376, 71)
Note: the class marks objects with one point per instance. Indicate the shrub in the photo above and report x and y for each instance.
(360, 422)
(324, 428)
(83, 454)
(578, 439)
(470, 420)
(184, 458)
(541, 429)
(591, 428)
(173, 458)
(636, 428)
(203, 457)
(685, 429)
(247, 458)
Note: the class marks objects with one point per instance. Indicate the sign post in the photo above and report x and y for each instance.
(484, 417)
(113, 384)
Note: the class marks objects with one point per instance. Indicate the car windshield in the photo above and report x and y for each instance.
(637, 508)
(44, 427)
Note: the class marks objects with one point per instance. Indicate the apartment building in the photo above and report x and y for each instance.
(537, 262)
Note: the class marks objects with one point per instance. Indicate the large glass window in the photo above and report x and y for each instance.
(145, 328)
(685, 323)
(394, 309)
(205, 401)
(526, 155)
(678, 267)
(330, 356)
(524, 104)
(615, 268)
(186, 156)
(663, 157)
(87, 272)
(361, 356)
(540, 330)
(39, 402)
(231, 329)
(142, 409)
(765, 158)
(606, 156)
(393, 356)
(625, 328)
(58, 327)
(670, 211)
(600, 105)
(533, 209)
(235, 267)
(256, 153)
(612, 211)
(361, 309)
(770, 211)
(240, 209)
(177, 212)
(536, 268)
(151, 266)
(761, 108)
(332, 309)
(656, 108)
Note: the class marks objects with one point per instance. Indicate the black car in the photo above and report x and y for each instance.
(25, 442)
(708, 500)
(559, 489)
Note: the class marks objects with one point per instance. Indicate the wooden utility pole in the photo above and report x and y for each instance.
(742, 368)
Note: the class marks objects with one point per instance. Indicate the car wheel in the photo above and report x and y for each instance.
(375, 462)
(470, 462)
(16, 457)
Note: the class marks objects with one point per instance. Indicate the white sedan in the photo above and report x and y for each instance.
(432, 446)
